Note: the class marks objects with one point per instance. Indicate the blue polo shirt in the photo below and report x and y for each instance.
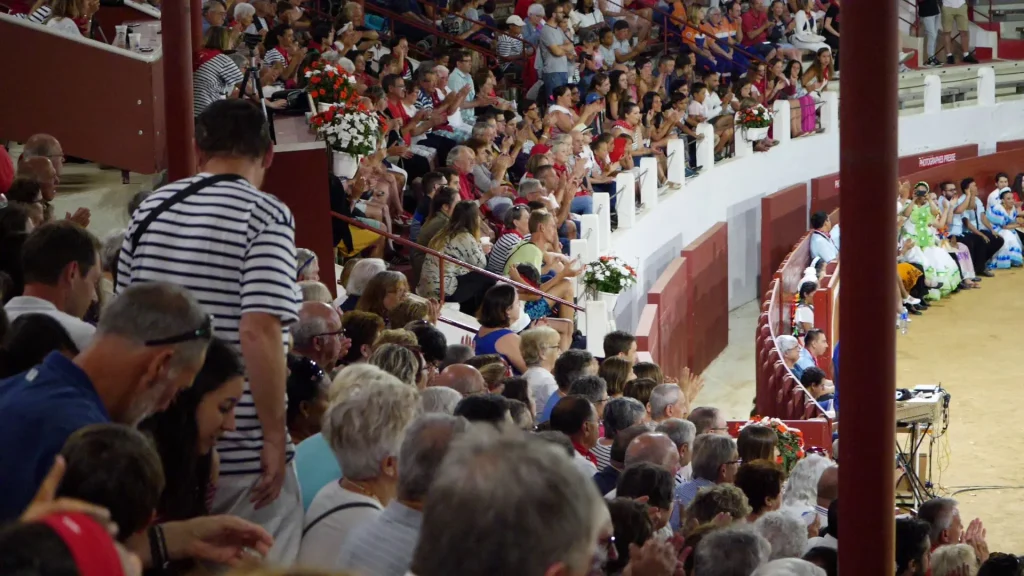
(39, 410)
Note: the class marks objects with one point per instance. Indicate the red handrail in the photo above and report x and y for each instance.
(445, 258)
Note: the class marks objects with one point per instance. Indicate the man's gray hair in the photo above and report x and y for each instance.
(148, 311)
(426, 442)
(593, 388)
(789, 567)
(938, 513)
(440, 399)
(678, 430)
(710, 453)
(304, 330)
(786, 533)
(110, 250)
(313, 291)
(361, 274)
(242, 9)
(479, 128)
(454, 154)
(663, 396)
(548, 513)
(40, 146)
(802, 485)
(730, 551)
(714, 10)
(529, 186)
(368, 423)
(621, 413)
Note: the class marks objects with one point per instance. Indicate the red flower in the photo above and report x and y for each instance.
(314, 80)
(323, 92)
(330, 74)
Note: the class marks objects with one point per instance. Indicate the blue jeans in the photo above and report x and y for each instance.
(553, 80)
(582, 205)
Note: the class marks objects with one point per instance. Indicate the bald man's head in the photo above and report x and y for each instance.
(42, 171)
(462, 378)
(43, 146)
(317, 335)
(655, 448)
(828, 485)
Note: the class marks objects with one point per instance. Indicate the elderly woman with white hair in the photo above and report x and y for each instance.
(110, 251)
(789, 567)
(540, 348)
(307, 267)
(441, 399)
(786, 533)
(315, 464)
(954, 560)
(801, 489)
(789, 349)
(362, 272)
(364, 428)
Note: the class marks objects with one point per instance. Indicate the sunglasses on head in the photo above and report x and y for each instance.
(203, 332)
(305, 369)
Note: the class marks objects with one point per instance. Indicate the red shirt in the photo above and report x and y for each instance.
(466, 186)
(753, 19)
(522, 8)
(6, 170)
(585, 453)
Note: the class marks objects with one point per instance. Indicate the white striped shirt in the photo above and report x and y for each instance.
(38, 16)
(503, 247)
(212, 81)
(274, 56)
(509, 46)
(233, 246)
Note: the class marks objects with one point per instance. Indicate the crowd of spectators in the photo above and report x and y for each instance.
(202, 397)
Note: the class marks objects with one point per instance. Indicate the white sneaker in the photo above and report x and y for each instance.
(911, 300)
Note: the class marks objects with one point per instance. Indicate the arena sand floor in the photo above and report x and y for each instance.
(968, 344)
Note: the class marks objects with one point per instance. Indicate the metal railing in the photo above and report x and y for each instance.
(442, 258)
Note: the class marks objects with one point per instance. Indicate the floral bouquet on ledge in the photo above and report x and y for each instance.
(754, 117)
(609, 275)
(790, 441)
(351, 131)
(326, 84)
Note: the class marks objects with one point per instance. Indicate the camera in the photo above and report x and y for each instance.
(251, 40)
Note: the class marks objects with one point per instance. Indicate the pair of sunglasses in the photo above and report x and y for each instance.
(203, 332)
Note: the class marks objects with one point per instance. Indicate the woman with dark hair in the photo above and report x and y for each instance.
(186, 433)
(616, 372)
(30, 339)
(382, 293)
(307, 397)
(283, 55)
(499, 310)
(649, 370)
(618, 94)
(816, 78)
(803, 314)
(756, 442)
(640, 389)
(459, 239)
(633, 527)
(518, 388)
(761, 481)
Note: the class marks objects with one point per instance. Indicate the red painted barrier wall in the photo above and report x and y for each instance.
(298, 176)
(670, 296)
(708, 278)
(982, 168)
(783, 221)
(1011, 145)
(648, 332)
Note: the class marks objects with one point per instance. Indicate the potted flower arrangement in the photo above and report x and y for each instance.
(608, 276)
(326, 84)
(789, 446)
(352, 130)
(755, 122)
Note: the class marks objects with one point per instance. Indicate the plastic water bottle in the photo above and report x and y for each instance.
(903, 322)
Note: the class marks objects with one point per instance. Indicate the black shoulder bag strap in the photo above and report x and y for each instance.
(178, 197)
(338, 508)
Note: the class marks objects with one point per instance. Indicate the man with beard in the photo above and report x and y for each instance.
(913, 547)
(150, 343)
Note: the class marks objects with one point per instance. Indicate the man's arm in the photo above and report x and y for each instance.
(269, 300)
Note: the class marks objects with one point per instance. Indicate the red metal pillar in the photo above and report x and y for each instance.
(868, 171)
(179, 123)
(197, 24)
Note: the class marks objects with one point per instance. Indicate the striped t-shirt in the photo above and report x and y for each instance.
(274, 56)
(211, 81)
(502, 249)
(38, 16)
(233, 247)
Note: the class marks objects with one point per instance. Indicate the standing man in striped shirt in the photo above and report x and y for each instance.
(233, 247)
